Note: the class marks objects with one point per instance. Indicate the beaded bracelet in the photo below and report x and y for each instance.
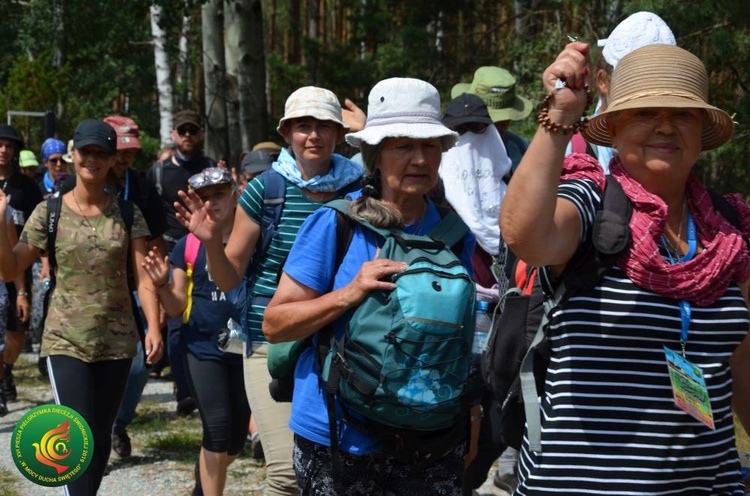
(555, 127)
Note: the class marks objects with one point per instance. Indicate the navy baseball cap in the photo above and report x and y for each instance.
(466, 108)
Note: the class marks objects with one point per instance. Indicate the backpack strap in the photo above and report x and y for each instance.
(528, 381)
(274, 195)
(450, 230)
(725, 208)
(54, 207)
(158, 175)
(127, 211)
(610, 236)
(192, 246)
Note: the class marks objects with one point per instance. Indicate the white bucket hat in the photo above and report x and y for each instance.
(403, 108)
(638, 30)
(311, 101)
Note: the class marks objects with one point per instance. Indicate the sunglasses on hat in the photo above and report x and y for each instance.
(210, 177)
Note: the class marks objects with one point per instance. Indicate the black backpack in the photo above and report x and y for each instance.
(514, 363)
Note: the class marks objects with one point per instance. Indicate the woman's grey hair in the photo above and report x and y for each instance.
(369, 207)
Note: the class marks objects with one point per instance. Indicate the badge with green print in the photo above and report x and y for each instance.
(52, 445)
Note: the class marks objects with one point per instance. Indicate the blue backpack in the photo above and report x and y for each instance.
(403, 362)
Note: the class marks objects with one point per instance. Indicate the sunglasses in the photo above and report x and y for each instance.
(210, 177)
(57, 160)
(471, 127)
(184, 130)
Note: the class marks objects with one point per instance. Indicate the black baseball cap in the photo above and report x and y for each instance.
(8, 132)
(257, 161)
(97, 133)
(466, 108)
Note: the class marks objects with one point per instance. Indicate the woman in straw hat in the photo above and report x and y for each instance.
(674, 303)
(312, 126)
(401, 146)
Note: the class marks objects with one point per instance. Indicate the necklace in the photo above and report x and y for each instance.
(86, 219)
(675, 250)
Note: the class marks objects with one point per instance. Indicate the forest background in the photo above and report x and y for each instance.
(236, 61)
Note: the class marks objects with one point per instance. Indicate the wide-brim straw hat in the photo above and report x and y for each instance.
(403, 108)
(662, 76)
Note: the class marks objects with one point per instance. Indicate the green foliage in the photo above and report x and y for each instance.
(95, 57)
(34, 85)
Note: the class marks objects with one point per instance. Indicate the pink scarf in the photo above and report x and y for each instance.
(701, 280)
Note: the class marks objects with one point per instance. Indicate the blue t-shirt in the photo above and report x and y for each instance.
(210, 310)
(315, 268)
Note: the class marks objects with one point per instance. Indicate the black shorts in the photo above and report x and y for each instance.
(13, 323)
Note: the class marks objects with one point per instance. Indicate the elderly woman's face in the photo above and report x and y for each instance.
(657, 139)
(410, 166)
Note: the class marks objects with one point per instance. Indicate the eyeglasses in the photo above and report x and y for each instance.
(471, 127)
(184, 130)
(210, 177)
(57, 160)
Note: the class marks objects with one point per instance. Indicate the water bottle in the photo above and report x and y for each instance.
(481, 327)
(231, 338)
(45, 284)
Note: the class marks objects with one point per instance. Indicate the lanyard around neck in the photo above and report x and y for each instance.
(685, 308)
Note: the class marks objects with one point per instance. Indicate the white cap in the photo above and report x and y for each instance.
(638, 30)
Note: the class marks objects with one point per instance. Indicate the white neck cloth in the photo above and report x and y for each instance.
(472, 173)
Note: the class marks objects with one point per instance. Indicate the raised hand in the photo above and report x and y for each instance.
(157, 267)
(197, 217)
(353, 116)
(3, 205)
(572, 68)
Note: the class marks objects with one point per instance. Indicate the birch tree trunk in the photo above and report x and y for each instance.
(163, 83)
(214, 71)
(251, 72)
(231, 58)
(183, 84)
(59, 51)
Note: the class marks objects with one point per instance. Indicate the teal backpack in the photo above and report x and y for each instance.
(403, 362)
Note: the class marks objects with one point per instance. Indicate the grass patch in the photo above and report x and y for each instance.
(6, 479)
(179, 446)
(27, 375)
(150, 421)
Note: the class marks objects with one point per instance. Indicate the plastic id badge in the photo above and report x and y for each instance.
(689, 388)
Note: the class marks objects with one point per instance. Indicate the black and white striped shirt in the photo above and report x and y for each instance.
(609, 422)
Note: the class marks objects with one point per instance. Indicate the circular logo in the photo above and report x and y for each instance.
(52, 445)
